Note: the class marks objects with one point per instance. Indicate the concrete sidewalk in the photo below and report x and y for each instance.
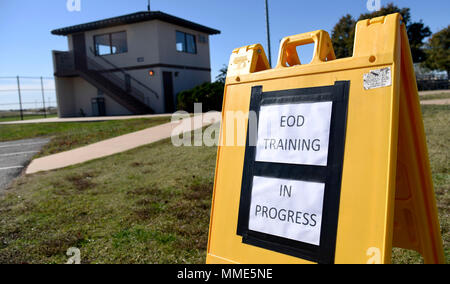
(83, 119)
(122, 143)
(436, 102)
(433, 92)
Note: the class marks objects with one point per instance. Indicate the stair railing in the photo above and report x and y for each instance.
(99, 70)
(115, 68)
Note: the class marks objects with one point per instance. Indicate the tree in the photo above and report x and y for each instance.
(417, 32)
(438, 51)
(222, 74)
(209, 94)
(343, 35)
(344, 32)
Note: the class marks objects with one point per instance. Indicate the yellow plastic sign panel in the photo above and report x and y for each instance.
(338, 171)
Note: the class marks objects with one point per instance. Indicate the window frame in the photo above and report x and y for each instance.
(96, 50)
(185, 42)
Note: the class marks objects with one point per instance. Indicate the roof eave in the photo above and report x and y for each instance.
(131, 19)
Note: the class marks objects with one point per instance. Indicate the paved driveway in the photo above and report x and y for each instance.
(15, 155)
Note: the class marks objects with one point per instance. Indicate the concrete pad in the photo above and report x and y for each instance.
(121, 144)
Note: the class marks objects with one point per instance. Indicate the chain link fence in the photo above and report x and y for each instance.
(27, 98)
(428, 82)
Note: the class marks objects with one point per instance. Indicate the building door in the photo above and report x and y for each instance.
(168, 92)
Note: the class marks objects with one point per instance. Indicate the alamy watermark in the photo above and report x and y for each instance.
(74, 256)
(373, 5)
(73, 5)
(203, 129)
(374, 255)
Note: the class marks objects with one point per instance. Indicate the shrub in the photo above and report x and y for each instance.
(209, 94)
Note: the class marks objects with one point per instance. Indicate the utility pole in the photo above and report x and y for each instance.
(148, 6)
(268, 33)
(43, 97)
(20, 98)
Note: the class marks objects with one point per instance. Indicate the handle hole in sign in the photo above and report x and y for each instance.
(305, 53)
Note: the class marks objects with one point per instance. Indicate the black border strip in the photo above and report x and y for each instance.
(331, 175)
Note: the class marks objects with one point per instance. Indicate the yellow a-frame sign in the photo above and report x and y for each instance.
(335, 167)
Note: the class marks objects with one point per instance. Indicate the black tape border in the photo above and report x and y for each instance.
(331, 175)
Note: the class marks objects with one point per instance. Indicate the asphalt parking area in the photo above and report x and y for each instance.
(15, 156)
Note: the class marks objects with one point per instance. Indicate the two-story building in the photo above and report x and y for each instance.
(132, 64)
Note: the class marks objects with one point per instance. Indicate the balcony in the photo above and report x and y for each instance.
(64, 64)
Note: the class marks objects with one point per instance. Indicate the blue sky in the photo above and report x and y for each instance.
(25, 25)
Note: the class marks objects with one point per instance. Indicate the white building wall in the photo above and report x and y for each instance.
(169, 54)
(85, 92)
(142, 39)
(153, 82)
(65, 97)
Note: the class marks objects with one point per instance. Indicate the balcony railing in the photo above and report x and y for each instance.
(64, 63)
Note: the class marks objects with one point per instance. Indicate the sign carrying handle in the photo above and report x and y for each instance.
(323, 50)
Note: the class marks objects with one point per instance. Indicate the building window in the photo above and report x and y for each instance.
(186, 43)
(113, 43)
(119, 43)
(102, 45)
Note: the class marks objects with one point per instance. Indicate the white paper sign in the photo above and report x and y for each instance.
(287, 208)
(294, 133)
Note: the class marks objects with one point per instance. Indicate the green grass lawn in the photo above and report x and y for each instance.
(16, 117)
(148, 205)
(70, 135)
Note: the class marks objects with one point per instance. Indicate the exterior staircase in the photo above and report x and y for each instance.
(113, 81)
